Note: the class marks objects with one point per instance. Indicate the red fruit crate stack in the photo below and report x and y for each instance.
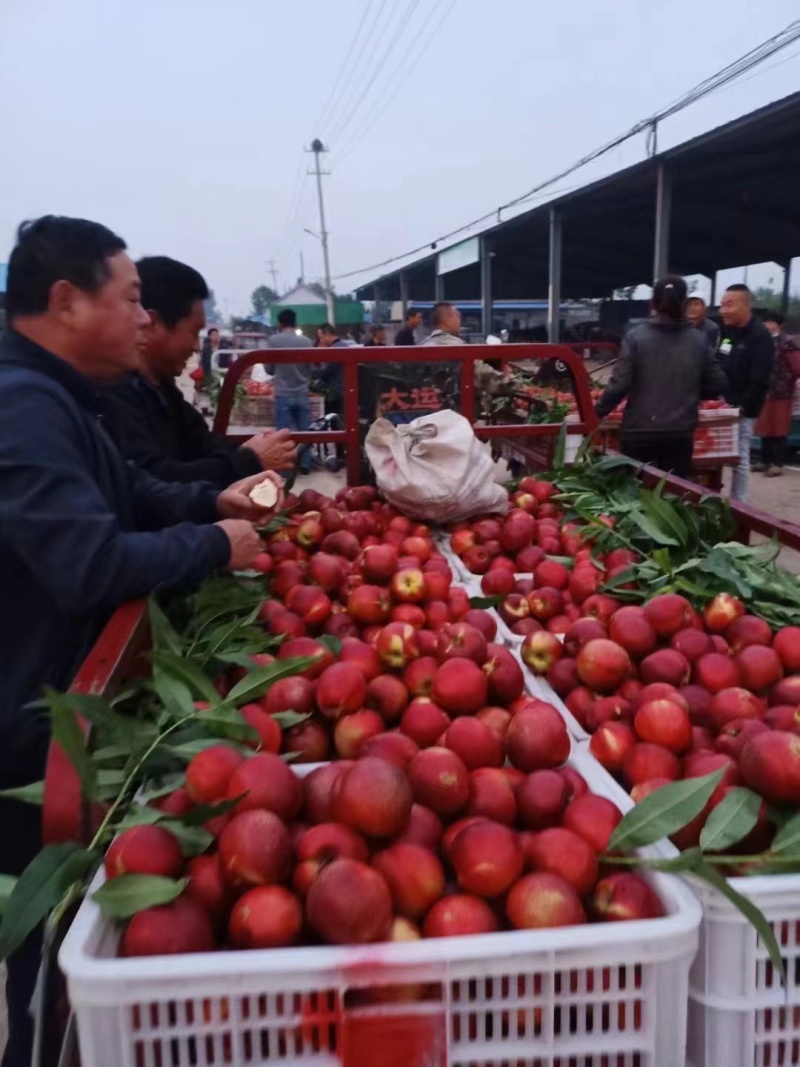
(258, 410)
(717, 435)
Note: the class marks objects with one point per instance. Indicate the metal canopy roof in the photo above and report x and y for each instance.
(734, 202)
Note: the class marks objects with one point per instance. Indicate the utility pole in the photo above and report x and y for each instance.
(317, 147)
(273, 270)
(302, 270)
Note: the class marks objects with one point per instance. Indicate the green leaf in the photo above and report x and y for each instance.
(120, 898)
(240, 658)
(287, 719)
(720, 562)
(7, 883)
(29, 794)
(652, 529)
(228, 633)
(753, 915)
(702, 592)
(664, 514)
(187, 750)
(203, 813)
(111, 724)
(228, 723)
(662, 557)
(39, 889)
(332, 642)
(68, 733)
(664, 812)
(560, 448)
(787, 839)
(630, 575)
(484, 602)
(258, 681)
(165, 637)
(189, 673)
(731, 820)
(167, 784)
(685, 862)
(194, 840)
(174, 694)
(140, 815)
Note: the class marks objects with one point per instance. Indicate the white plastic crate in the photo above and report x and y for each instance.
(716, 436)
(540, 688)
(740, 1015)
(460, 572)
(590, 996)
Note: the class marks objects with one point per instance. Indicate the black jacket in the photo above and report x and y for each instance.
(77, 538)
(665, 369)
(157, 429)
(746, 354)
(405, 336)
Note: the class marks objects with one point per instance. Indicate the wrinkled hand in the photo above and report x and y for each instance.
(244, 541)
(235, 502)
(275, 449)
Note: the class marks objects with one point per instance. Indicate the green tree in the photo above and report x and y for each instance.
(319, 288)
(261, 298)
(765, 296)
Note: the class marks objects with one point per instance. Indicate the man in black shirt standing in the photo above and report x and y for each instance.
(405, 335)
(151, 422)
(745, 352)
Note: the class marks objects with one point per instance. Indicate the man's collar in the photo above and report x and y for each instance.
(20, 350)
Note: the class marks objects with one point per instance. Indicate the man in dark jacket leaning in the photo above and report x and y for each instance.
(81, 531)
(665, 369)
(746, 352)
(147, 415)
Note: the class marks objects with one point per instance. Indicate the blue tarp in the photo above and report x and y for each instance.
(3, 276)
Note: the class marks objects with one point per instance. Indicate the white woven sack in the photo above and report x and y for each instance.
(435, 468)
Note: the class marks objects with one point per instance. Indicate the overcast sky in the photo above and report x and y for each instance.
(181, 123)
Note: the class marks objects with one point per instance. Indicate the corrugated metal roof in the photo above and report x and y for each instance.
(734, 202)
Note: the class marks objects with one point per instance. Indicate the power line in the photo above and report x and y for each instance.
(401, 27)
(709, 85)
(339, 100)
(394, 85)
(347, 65)
(297, 192)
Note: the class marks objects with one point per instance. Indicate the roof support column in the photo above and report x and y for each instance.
(554, 283)
(438, 287)
(663, 220)
(404, 292)
(487, 299)
(787, 283)
(376, 315)
(712, 300)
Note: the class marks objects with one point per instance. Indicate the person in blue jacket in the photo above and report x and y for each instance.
(81, 530)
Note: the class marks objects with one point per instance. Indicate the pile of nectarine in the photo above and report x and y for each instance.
(489, 830)
(668, 692)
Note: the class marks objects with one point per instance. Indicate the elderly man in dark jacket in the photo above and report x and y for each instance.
(81, 531)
